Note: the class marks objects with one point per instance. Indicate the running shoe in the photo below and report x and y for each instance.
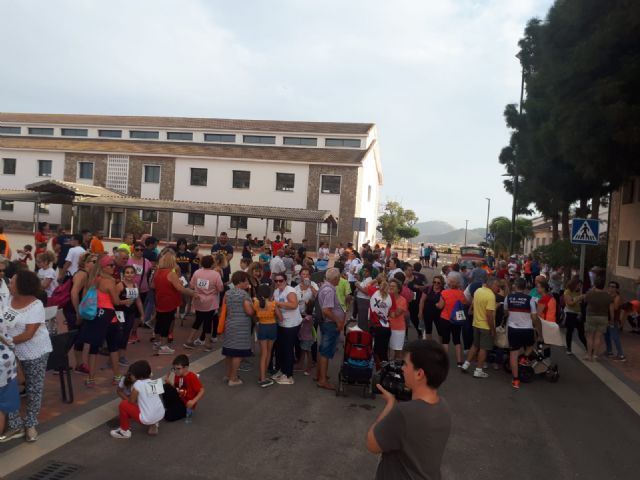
(515, 383)
(11, 434)
(123, 362)
(82, 369)
(464, 368)
(198, 343)
(31, 434)
(234, 383)
(189, 345)
(133, 339)
(284, 380)
(166, 350)
(245, 366)
(153, 429)
(277, 375)
(120, 433)
(265, 383)
(479, 373)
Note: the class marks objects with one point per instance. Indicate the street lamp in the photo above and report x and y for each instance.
(515, 172)
(466, 225)
(486, 234)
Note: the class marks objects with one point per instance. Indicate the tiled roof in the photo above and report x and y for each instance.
(303, 155)
(213, 124)
(71, 188)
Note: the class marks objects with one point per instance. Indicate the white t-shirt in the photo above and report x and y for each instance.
(73, 256)
(16, 321)
(519, 307)
(45, 273)
(393, 272)
(353, 267)
(364, 284)
(305, 295)
(4, 293)
(290, 318)
(323, 253)
(276, 265)
(149, 401)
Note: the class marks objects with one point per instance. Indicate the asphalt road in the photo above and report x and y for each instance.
(576, 428)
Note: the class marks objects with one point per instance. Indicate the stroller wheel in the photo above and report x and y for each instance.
(525, 374)
(552, 374)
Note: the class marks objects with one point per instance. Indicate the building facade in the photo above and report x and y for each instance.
(313, 165)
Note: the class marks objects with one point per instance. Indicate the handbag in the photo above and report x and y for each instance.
(551, 333)
(458, 317)
(501, 339)
(222, 317)
(61, 295)
(88, 307)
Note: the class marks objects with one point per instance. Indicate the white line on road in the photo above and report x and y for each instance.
(25, 453)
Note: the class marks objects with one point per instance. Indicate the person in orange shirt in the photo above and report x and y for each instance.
(4, 244)
(96, 246)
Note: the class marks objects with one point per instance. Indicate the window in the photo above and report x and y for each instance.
(9, 130)
(285, 182)
(241, 179)
(43, 208)
(219, 137)
(44, 168)
(330, 184)
(239, 223)
(179, 136)
(324, 228)
(281, 225)
(199, 177)
(259, 139)
(623, 253)
(627, 191)
(150, 216)
(310, 142)
(8, 166)
(85, 170)
(342, 142)
(152, 174)
(110, 133)
(196, 219)
(636, 255)
(6, 205)
(75, 132)
(40, 131)
(369, 193)
(144, 134)
(118, 173)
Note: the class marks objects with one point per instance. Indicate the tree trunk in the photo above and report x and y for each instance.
(595, 206)
(566, 232)
(582, 210)
(555, 234)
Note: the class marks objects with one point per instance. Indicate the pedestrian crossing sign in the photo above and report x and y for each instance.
(585, 231)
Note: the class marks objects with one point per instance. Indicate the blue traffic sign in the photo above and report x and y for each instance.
(490, 237)
(585, 231)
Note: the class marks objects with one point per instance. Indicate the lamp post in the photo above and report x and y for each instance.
(466, 225)
(486, 233)
(515, 174)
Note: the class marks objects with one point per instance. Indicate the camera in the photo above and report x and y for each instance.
(392, 380)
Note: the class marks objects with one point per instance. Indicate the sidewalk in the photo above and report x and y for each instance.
(629, 371)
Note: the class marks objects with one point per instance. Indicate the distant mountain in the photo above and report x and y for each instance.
(475, 235)
(434, 227)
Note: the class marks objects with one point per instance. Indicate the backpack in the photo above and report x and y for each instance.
(61, 295)
(358, 345)
(458, 317)
(88, 307)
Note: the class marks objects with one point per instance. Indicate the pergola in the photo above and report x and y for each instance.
(79, 194)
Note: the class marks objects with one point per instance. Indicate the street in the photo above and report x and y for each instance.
(576, 428)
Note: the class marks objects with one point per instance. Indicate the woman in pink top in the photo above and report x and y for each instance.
(143, 268)
(448, 332)
(207, 282)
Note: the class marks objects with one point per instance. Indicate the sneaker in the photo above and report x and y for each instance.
(11, 434)
(234, 383)
(198, 343)
(153, 429)
(265, 383)
(524, 361)
(123, 362)
(90, 383)
(479, 373)
(621, 358)
(569, 352)
(214, 339)
(245, 367)
(31, 434)
(166, 350)
(307, 373)
(120, 433)
(515, 383)
(133, 339)
(284, 380)
(116, 380)
(82, 369)
(277, 375)
(464, 368)
(189, 345)
(208, 347)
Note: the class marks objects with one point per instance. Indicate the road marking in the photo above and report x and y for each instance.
(25, 453)
(617, 386)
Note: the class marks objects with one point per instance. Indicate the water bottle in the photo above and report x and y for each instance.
(187, 418)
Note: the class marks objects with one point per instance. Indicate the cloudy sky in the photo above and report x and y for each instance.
(434, 75)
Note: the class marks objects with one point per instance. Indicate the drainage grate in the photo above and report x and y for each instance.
(56, 471)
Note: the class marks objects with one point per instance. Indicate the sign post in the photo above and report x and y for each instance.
(584, 231)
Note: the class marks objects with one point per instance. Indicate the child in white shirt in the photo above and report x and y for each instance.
(46, 274)
(144, 405)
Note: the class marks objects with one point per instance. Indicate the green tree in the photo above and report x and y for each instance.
(134, 225)
(397, 222)
(501, 229)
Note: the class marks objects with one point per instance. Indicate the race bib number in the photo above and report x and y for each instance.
(203, 283)
(120, 316)
(131, 293)
(139, 269)
(154, 387)
(184, 281)
(460, 316)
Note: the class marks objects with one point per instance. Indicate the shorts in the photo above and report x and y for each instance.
(448, 332)
(482, 339)
(520, 338)
(596, 324)
(397, 340)
(328, 340)
(234, 352)
(305, 345)
(267, 331)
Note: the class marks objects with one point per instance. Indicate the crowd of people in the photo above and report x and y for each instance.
(282, 306)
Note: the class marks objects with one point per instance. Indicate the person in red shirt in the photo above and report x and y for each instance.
(42, 238)
(547, 304)
(186, 383)
(276, 245)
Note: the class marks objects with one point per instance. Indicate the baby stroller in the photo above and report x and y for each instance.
(538, 363)
(357, 365)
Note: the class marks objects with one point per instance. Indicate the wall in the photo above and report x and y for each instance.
(368, 207)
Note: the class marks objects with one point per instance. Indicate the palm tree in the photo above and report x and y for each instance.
(501, 228)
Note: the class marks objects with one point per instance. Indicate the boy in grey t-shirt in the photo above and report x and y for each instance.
(411, 436)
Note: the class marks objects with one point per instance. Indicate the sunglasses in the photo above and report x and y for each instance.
(279, 281)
